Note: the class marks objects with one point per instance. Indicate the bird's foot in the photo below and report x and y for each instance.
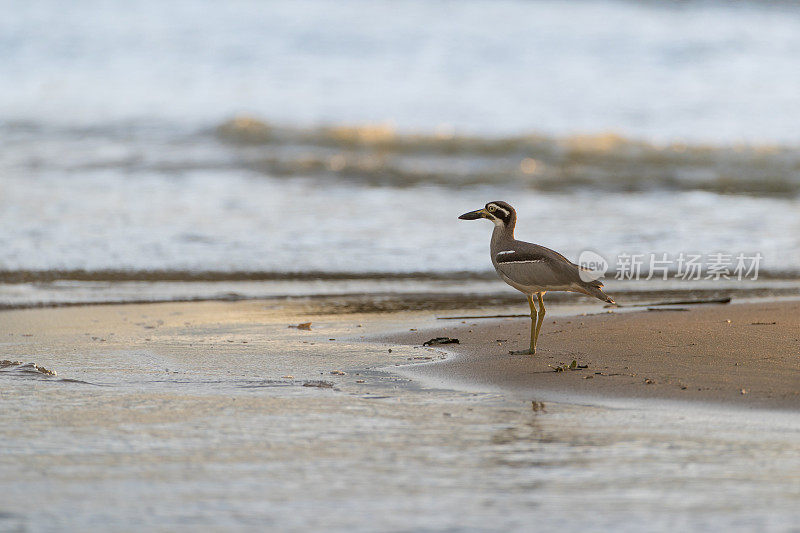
(522, 352)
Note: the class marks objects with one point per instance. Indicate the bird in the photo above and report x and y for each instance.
(530, 268)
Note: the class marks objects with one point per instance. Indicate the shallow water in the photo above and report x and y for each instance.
(208, 425)
(214, 222)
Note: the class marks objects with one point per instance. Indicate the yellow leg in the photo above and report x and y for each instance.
(534, 315)
(542, 312)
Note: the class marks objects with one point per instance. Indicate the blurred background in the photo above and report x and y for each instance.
(297, 140)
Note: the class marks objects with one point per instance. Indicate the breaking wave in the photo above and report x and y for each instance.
(22, 369)
(380, 155)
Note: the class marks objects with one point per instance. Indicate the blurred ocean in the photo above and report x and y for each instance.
(346, 137)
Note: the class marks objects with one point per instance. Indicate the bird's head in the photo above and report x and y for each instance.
(501, 213)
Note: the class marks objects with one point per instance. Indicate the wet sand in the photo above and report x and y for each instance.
(217, 415)
(745, 355)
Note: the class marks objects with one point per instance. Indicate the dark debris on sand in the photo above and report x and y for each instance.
(440, 340)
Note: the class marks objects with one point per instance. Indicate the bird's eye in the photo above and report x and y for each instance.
(492, 208)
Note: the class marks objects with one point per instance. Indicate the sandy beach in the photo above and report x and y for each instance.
(737, 354)
(219, 415)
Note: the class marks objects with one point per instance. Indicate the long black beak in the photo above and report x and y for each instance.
(474, 215)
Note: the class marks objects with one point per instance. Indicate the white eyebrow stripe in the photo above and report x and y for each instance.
(505, 252)
(523, 261)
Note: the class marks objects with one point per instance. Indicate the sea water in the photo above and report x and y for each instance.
(293, 137)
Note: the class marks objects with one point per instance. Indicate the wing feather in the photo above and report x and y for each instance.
(536, 266)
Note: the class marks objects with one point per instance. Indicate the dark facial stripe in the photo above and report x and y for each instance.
(499, 213)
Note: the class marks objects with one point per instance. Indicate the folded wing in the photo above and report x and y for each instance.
(536, 266)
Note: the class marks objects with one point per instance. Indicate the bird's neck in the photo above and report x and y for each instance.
(502, 233)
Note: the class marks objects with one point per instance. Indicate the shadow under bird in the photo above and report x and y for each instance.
(530, 268)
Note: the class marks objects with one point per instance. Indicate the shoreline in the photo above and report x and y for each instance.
(674, 353)
(704, 355)
(365, 294)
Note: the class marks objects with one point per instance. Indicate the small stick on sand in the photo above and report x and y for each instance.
(481, 316)
(725, 300)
